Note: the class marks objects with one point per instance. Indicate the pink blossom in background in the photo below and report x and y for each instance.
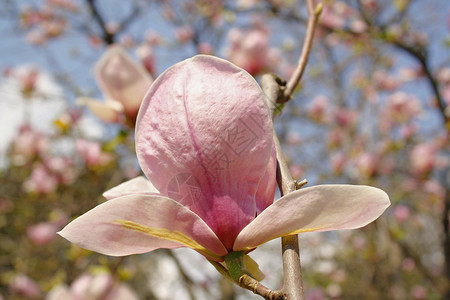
(93, 287)
(293, 138)
(359, 242)
(123, 83)
(68, 119)
(102, 287)
(318, 109)
(205, 48)
(434, 188)
(62, 168)
(153, 38)
(408, 264)
(210, 183)
(345, 117)
(419, 292)
(331, 19)
(401, 213)
(247, 4)
(65, 4)
(423, 158)
(384, 81)
(25, 286)
(28, 145)
(43, 23)
(92, 153)
(443, 76)
(315, 294)
(184, 34)
(112, 27)
(36, 37)
(387, 165)
(28, 80)
(358, 26)
(370, 5)
(6, 205)
(147, 58)
(410, 73)
(41, 181)
(408, 131)
(402, 107)
(42, 233)
(45, 232)
(335, 138)
(338, 162)
(127, 40)
(296, 171)
(53, 28)
(366, 163)
(248, 49)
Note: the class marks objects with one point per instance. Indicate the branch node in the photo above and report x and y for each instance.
(300, 184)
(318, 9)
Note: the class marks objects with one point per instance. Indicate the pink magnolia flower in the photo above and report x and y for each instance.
(123, 83)
(204, 141)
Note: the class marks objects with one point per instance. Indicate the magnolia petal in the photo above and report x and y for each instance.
(268, 184)
(318, 208)
(122, 79)
(252, 268)
(108, 111)
(142, 223)
(204, 138)
(138, 185)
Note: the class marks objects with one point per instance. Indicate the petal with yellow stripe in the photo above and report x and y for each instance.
(141, 223)
(318, 208)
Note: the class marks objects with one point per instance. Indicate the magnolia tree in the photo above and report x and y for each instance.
(212, 153)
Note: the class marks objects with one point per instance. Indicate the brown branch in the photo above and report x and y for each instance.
(257, 288)
(277, 91)
(421, 56)
(108, 37)
(292, 282)
(250, 284)
(314, 14)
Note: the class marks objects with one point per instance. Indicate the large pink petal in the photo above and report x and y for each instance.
(204, 138)
(138, 185)
(122, 79)
(267, 186)
(318, 208)
(129, 224)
